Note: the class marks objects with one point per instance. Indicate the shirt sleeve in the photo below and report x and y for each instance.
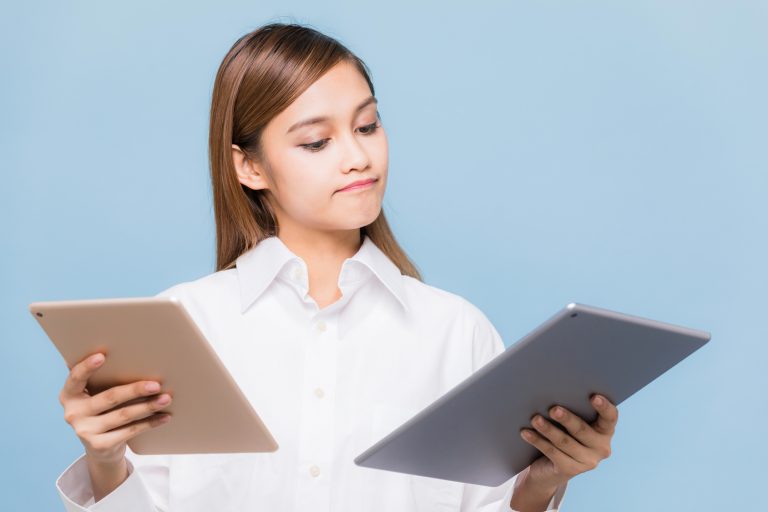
(486, 345)
(145, 489)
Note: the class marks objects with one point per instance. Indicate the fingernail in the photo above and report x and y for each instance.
(163, 399)
(558, 413)
(525, 434)
(97, 359)
(598, 401)
(152, 386)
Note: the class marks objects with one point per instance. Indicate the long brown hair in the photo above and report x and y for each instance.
(263, 73)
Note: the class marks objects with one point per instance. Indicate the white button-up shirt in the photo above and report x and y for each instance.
(328, 383)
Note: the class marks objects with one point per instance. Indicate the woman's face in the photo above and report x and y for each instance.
(309, 161)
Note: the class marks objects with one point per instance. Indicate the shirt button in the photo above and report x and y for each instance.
(319, 393)
(321, 326)
(314, 470)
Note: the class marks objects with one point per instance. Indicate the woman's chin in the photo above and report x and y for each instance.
(357, 220)
(362, 213)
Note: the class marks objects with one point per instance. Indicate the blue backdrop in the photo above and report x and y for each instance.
(610, 153)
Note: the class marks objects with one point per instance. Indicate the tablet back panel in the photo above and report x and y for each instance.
(155, 338)
(471, 434)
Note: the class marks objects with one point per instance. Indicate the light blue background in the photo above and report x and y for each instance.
(610, 153)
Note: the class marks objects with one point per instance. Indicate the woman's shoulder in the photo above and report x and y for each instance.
(208, 298)
(210, 286)
(468, 322)
(421, 294)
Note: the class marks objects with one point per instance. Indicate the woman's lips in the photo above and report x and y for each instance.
(365, 184)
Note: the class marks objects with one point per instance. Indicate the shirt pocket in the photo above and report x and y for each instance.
(391, 490)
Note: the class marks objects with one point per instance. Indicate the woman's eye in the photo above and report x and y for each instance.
(320, 144)
(370, 128)
(315, 146)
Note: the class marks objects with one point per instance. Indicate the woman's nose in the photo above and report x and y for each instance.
(354, 154)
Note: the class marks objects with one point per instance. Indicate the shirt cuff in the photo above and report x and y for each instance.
(75, 491)
(552, 506)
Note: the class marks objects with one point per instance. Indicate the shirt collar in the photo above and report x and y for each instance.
(260, 265)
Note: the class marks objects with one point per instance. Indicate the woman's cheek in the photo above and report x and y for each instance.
(318, 198)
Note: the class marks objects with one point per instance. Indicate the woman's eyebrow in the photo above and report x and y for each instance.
(320, 119)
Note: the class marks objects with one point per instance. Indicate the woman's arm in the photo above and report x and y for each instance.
(528, 497)
(144, 490)
(105, 478)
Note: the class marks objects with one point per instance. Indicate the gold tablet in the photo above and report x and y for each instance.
(155, 338)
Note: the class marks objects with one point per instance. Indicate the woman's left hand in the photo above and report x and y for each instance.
(566, 456)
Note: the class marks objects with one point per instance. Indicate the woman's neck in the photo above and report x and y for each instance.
(324, 253)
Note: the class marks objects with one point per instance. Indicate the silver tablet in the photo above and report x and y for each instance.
(471, 433)
(155, 338)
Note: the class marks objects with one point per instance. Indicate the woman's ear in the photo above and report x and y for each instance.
(249, 173)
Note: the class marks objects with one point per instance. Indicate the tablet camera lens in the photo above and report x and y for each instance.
(39, 314)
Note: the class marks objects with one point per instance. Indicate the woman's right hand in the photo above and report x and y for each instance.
(101, 423)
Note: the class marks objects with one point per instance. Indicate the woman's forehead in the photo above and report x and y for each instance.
(339, 94)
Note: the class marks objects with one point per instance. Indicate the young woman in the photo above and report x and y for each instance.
(318, 313)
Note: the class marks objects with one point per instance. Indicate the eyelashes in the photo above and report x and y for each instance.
(320, 144)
